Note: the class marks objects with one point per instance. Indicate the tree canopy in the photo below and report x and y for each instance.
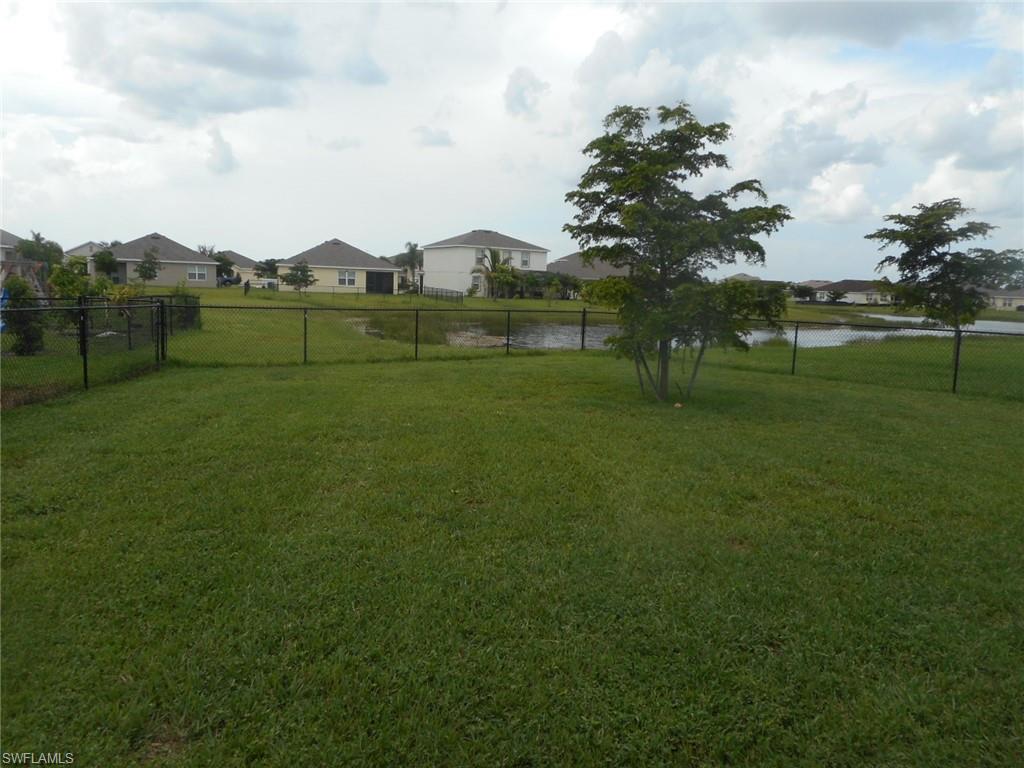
(300, 276)
(150, 266)
(38, 248)
(947, 284)
(634, 212)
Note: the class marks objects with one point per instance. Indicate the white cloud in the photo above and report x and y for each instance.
(993, 194)
(523, 92)
(221, 158)
(433, 137)
(838, 193)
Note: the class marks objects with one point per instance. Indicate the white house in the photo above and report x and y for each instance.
(1006, 298)
(86, 249)
(449, 263)
(855, 292)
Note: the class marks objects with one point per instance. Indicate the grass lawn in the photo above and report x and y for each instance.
(512, 563)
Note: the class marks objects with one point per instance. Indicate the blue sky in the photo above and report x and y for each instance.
(267, 129)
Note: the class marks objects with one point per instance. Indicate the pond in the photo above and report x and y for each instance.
(991, 326)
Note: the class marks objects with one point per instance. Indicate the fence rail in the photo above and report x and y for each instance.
(83, 343)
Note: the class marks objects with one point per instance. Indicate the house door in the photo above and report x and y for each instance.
(380, 282)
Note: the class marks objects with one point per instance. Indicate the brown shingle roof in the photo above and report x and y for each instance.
(573, 265)
(485, 238)
(336, 253)
(167, 250)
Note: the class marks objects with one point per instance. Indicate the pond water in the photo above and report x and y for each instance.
(996, 326)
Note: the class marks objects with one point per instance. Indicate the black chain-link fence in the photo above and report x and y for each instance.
(47, 350)
(123, 340)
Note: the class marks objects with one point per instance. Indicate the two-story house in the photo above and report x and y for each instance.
(449, 263)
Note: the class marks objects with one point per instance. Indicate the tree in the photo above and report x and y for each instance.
(634, 213)
(38, 248)
(803, 292)
(266, 268)
(946, 284)
(299, 276)
(105, 262)
(150, 266)
(225, 265)
(70, 280)
(834, 297)
(499, 277)
(25, 328)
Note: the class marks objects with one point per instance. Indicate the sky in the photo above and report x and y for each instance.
(267, 129)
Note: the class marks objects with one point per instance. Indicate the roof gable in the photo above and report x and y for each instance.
(337, 253)
(486, 238)
(240, 261)
(167, 250)
(573, 265)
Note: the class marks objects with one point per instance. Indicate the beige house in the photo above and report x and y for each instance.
(1006, 298)
(573, 266)
(244, 267)
(342, 268)
(178, 263)
(855, 292)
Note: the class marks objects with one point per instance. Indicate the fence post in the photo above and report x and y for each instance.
(170, 318)
(417, 341)
(153, 324)
(796, 339)
(83, 340)
(957, 339)
(508, 330)
(163, 329)
(128, 317)
(305, 335)
(583, 330)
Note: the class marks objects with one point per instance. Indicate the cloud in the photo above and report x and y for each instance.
(342, 143)
(362, 69)
(221, 158)
(523, 92)
(433, 137)
(878, 24)
(182, 62)
(986, 191)
(838, 194)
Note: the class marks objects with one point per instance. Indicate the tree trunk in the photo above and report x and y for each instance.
(664, 355)
(696, 367)
(639, 376)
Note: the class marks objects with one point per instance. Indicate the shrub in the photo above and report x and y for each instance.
(25, 327)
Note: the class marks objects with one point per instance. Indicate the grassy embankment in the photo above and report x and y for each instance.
(406, 564)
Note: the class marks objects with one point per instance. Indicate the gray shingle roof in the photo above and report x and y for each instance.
(336, 253)
(167, 250)
(240, 261)
(486, 238)
(9, 239)
(573, 265)
(851, 285)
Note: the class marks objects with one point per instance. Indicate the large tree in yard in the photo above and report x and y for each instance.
(150, 266)
(635, 212)
(299, 276)
(946, 283)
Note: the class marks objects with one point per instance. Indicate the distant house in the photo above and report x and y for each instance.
(343, 268)
(857, 292)
(1005, 298)
(178, 263)
(449, 263)
(244, 267)
(86, 249)
(815, 284)
(573, 266)
(8, 244)
(743, 277)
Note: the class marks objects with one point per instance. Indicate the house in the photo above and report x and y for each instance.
(86, 249)
(410, 275)
(743, 277)
(8, 244)
(856, 292)
(1005, 298)
(573, 266)
(342, 268)
(449, 263)
(814, 284)
(244, 267)
(178, 263)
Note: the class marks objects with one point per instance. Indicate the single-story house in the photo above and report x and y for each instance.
(449, 263)
(86, 249)
(743, 277)
(814, 284)
(1005, 298)
(573, 266)
(856, 292)
(178, 263)
(244, 267)
(342, 268)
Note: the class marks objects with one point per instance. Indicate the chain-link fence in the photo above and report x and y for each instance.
(47, 350)
(919, 357)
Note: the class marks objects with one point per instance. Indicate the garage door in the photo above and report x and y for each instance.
(380, 282)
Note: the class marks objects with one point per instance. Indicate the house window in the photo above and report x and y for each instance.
(506, 257)
(524, 259)
(480, 256)
(1007, 302)
(196, 272)
(346, 277)
(476, 282)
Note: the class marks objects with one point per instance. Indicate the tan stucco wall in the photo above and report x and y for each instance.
(327, 280)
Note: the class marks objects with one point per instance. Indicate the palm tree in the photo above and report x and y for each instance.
(489, 266)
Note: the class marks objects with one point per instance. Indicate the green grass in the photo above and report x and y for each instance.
(511, 563)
